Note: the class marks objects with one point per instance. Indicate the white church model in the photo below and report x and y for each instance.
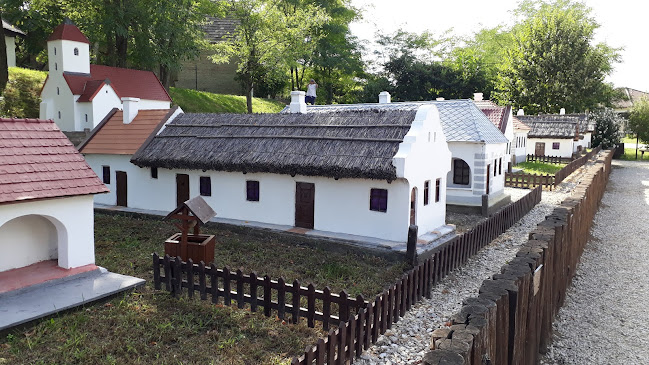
(78, 95)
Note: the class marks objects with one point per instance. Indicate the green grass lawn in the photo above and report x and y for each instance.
(192, 101)
(148, 326)
(540, 168)
(629, 154)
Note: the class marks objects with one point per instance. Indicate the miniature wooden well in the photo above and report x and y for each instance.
(198, 247)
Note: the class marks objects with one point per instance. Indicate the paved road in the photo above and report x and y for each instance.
(605, 318)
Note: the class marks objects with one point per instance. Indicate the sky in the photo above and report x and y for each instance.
(622, 24)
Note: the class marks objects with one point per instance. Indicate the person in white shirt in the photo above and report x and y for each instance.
(310, 92)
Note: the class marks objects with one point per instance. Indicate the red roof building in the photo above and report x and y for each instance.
(69, 32)
(37, 161)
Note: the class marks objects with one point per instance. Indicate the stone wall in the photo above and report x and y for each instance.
(204, 75)
(510, 320)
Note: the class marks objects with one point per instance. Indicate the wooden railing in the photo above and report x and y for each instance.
(521, 180)
(359, 322)
(548, 159)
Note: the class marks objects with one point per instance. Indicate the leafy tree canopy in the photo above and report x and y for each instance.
(553, 62)
(639, 120)
(607, 128)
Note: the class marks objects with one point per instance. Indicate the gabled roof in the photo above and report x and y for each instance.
(113, 137)
(346, 144)
(126, 82)
(69, 32)
(461, 120)
(11, 30)
(632, 96)
(585, 124)
(518, 125)
(541, 127)
(216, 29)
(90, 89)
(498, 115)
(37, 161)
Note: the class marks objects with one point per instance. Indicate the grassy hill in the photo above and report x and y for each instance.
(22, 95)
(192, 101)
(22, 98)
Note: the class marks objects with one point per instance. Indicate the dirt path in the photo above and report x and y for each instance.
(604, 317)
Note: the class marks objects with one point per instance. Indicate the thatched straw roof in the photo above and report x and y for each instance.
(346, 144)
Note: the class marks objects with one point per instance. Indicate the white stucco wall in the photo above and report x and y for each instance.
(424, 156)
(11, 51)
(147, 104)
(63, 101)
(26, 240)
(340, 205)
(566, 146)
(478, 156)
(71, 226)
(104, 101)
(509, 134)
(519, 147)
(65, 60)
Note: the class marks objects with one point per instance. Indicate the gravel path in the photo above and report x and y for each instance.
(604, 317)
(408, 339)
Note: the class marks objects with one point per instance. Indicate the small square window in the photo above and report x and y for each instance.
(379, 200)
(205, 186)
(154, 172)
(252, 190)
(426, 188)
(555, 145)
(105, 171)
(438, 183)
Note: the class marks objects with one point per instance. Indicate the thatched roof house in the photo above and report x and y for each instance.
(342, 144)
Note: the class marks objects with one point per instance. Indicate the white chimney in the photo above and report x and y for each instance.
(562, 111)
(130, 109)
(478, 96)
(440, 99)
(297, 102)
(520, 112)
(384, 97)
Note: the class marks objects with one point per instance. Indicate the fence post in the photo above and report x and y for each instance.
(485, 205)
(411, 247)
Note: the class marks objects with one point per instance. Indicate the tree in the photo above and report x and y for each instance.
(639, 120)
(607, 128)
(4, 69)
(264, 38)
(553, 62)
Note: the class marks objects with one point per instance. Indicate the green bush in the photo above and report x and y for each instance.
(22, 97)
(192, 101)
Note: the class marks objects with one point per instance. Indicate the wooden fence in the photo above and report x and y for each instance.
(520, 180)
(548, 159)
(510, 320)
(359, 322)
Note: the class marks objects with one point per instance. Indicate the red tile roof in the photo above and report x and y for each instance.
(37, 161)
(113, 137)
(90, 90)
(69, 32)
(495, 113)
(126, 82)
(520, 125)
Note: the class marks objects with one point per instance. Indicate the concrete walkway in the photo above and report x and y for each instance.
(52, 296)
(425, 242)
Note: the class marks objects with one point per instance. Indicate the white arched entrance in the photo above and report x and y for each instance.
(30, 238)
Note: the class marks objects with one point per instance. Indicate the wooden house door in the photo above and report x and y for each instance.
(488, 174)
(182, 189)
(413, 207)
(122, 188)
(304, 204)
(539, 148)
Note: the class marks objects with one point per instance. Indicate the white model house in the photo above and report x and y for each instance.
(548, 137)
(503, 119)
(519, 146)
(11, 33)
(46, 197)
(110, 147)
(365, 172)
(78, 95)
